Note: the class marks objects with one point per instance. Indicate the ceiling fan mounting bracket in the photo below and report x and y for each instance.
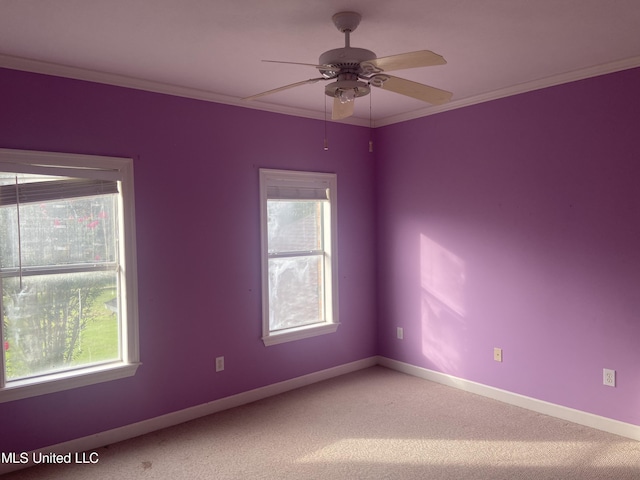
(346, 21)
(377, 80)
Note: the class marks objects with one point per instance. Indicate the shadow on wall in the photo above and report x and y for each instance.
(442, 281)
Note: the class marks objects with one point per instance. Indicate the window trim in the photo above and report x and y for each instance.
(290, 180)
(92, 167)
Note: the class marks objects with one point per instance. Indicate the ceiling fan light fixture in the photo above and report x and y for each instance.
(347, 95)
(347, 90)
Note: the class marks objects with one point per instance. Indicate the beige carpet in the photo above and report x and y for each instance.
(372, 424)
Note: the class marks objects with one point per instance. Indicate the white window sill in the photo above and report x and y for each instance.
(292, 334)
(32, 387)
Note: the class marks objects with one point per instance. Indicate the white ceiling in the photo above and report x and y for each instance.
(212, 49)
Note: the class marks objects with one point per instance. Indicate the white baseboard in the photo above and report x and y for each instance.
(126, 432)
(609, 425)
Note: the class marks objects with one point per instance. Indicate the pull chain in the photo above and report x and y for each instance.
(370, 126)
(326, 142)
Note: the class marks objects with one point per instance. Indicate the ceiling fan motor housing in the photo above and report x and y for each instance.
(345, 59)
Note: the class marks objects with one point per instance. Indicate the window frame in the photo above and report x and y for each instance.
(92, 167)
(302, 179)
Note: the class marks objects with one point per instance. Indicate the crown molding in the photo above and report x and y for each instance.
(546, 82)
(36, 66)
(46, 68)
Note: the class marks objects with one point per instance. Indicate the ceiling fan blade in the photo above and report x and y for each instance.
(341, 110)
(324, 67)
(286, 87)
(421, 58)
(412, 89)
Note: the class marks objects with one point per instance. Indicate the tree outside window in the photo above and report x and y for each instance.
(67, 272)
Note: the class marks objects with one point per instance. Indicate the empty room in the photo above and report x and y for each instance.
(302, 239)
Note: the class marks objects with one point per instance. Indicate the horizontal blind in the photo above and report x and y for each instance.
(36, 192)
(286, 192)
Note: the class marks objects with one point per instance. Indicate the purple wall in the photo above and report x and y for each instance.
(196, 179)
(516, 224)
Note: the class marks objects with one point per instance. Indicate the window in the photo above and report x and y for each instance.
(299, 257)
(67, 272)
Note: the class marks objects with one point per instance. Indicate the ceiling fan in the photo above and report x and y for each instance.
(355, 70)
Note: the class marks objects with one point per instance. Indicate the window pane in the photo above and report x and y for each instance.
(57, 322)
(79, 230)
(295, 291)
(294, 225)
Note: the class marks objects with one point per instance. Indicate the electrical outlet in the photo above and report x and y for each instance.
(219, 364)
(497, 354)
(609, 377)
(400, 333)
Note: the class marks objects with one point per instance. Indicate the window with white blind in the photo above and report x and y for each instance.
(67, 272)
(299, 254)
